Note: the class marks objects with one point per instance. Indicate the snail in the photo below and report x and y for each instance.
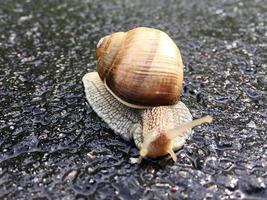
(136, 90)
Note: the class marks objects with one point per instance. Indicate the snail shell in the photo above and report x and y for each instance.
(141, 68)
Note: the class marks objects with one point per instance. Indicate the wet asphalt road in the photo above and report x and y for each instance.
(53, 146)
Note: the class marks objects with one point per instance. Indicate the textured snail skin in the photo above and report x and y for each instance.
(142, 67)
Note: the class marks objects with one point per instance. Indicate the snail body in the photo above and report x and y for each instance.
(137, 89)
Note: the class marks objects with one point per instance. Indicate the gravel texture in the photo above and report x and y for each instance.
(53, 146)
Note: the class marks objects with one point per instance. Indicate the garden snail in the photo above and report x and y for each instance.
(137, 90)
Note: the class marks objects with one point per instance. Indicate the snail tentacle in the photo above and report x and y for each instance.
(179, 131)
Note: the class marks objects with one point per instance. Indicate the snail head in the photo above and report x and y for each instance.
(156, 145)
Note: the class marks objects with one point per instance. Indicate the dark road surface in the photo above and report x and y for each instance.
(53, 146)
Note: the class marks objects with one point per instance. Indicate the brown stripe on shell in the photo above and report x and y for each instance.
(106, 53)
(153, 52)
(100, 54)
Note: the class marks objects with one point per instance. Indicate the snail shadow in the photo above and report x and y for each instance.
(165, 162)
(147, 162)
(156, 163)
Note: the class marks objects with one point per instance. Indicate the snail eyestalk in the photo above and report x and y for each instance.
(176, 132)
